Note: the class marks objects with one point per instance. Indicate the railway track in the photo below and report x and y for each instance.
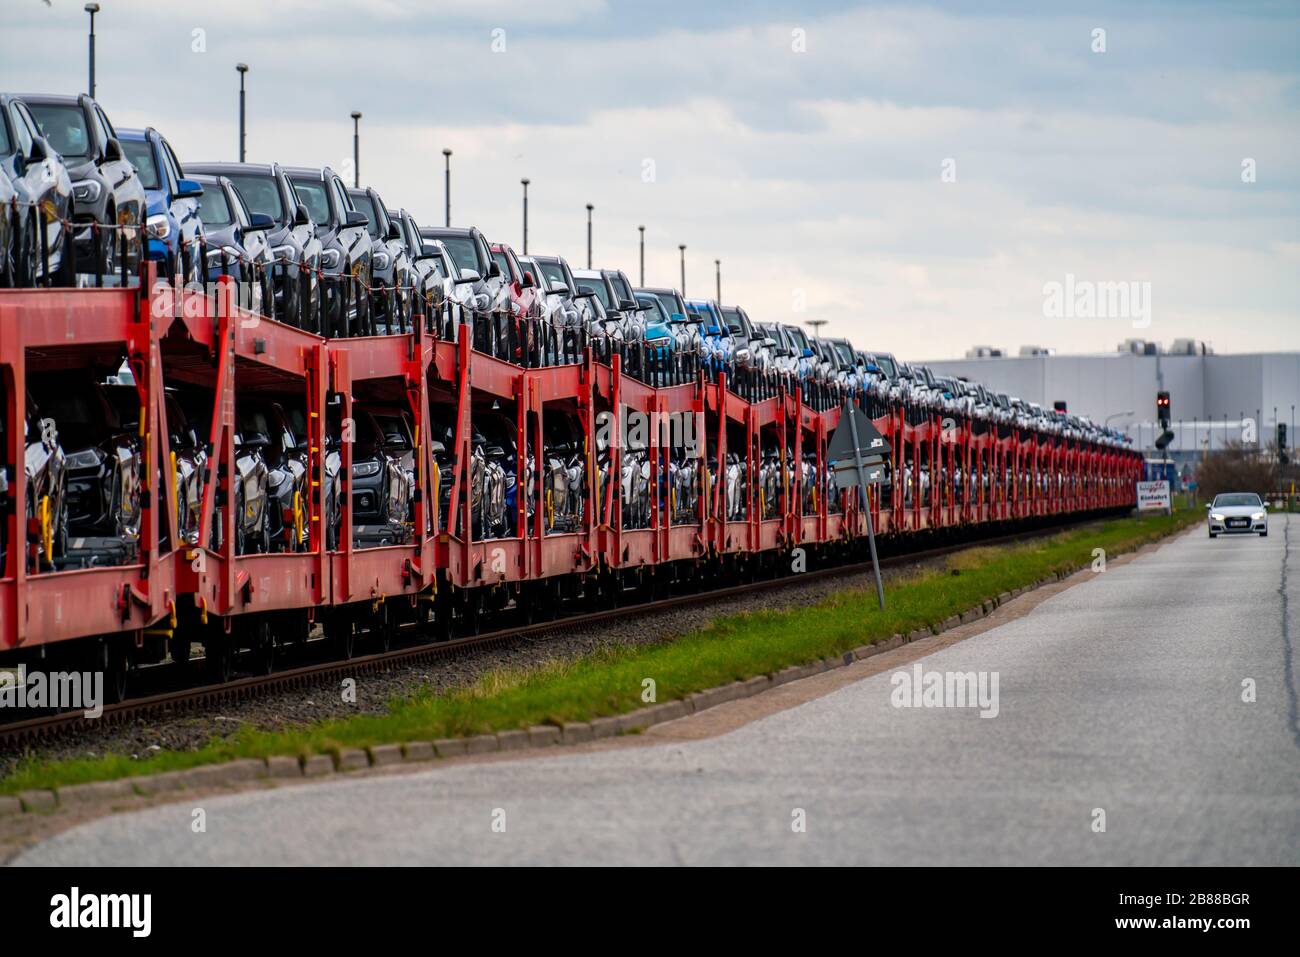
(47, 728)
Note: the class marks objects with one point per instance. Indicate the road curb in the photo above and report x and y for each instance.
(281, 768)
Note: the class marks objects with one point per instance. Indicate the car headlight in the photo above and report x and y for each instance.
(85, 459)
(86, 191)
(157, 226)
(365, 469)
(382, 261)
(330, 258)
(230, 252)
(1257, 517)
(285, 252)
(1216, 517)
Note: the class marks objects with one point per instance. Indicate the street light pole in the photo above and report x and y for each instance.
(717, 268)
(682, 247)
(243, 69)
(641, 230)
(446, 155)
(356, 149)
(589, 209)
(524, 181)
(92, 9)
(816, 325)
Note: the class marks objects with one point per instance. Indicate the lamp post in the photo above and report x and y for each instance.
(589, 209)
(446, 156)
(356, 149)
(682, 247)
(816, 325)
(524, 181)
(243, 69)
(92, 9)
(717, 270)
(641, 230)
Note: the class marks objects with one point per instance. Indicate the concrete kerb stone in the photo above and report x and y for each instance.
(283, 767)
(543, 735)
(417, 751)
(382, 755)
(317, 765)
(38, 800)
(450, 747)
(576, 732)
(94, 791)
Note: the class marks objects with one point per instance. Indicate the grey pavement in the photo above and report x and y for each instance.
(1122, 694)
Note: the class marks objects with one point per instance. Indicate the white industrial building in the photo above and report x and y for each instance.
(1213, 398)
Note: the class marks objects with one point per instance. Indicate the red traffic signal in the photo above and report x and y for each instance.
(1162, 406)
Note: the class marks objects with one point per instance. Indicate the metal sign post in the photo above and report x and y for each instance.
(877, 452)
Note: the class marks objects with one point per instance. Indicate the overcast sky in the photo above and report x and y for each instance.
(805, 144)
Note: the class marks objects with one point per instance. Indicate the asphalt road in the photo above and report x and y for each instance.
(1123, 693)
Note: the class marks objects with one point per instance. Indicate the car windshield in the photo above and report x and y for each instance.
(367, 206)
(213, 208)
(797, 337)
(503, 262)
(621, 286)
(462, 252)
(732, 315)
(312, 194)
(598, 284)
(65, 128)
(554, 272)
(1245, 499)
(845, 353)
(656, 311)
(260, 194)
(887, 366)
(140, 155)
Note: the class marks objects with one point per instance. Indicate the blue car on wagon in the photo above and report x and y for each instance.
(173, 227)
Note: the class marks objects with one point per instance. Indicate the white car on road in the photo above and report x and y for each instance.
(1237, 512)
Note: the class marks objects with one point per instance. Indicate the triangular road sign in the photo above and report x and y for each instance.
(871, 443)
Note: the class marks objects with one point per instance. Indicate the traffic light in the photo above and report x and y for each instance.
(1282, 456)
(1162, 442)
(1162, 408)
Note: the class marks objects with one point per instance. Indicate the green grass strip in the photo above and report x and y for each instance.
(607, 683)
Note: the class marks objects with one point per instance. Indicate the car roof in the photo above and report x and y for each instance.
(447, 230)
(228, 168)
(59, 98)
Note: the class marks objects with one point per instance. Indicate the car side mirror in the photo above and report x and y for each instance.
(188, 189)
(258, 221)
(355, 217)
(494, 270)
(627, 305)
(528, 282)
(39, 152)
(585, 292)
(393, 231)
(470, 275)
(300, 216)
(1207, 506)
(113, 151)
